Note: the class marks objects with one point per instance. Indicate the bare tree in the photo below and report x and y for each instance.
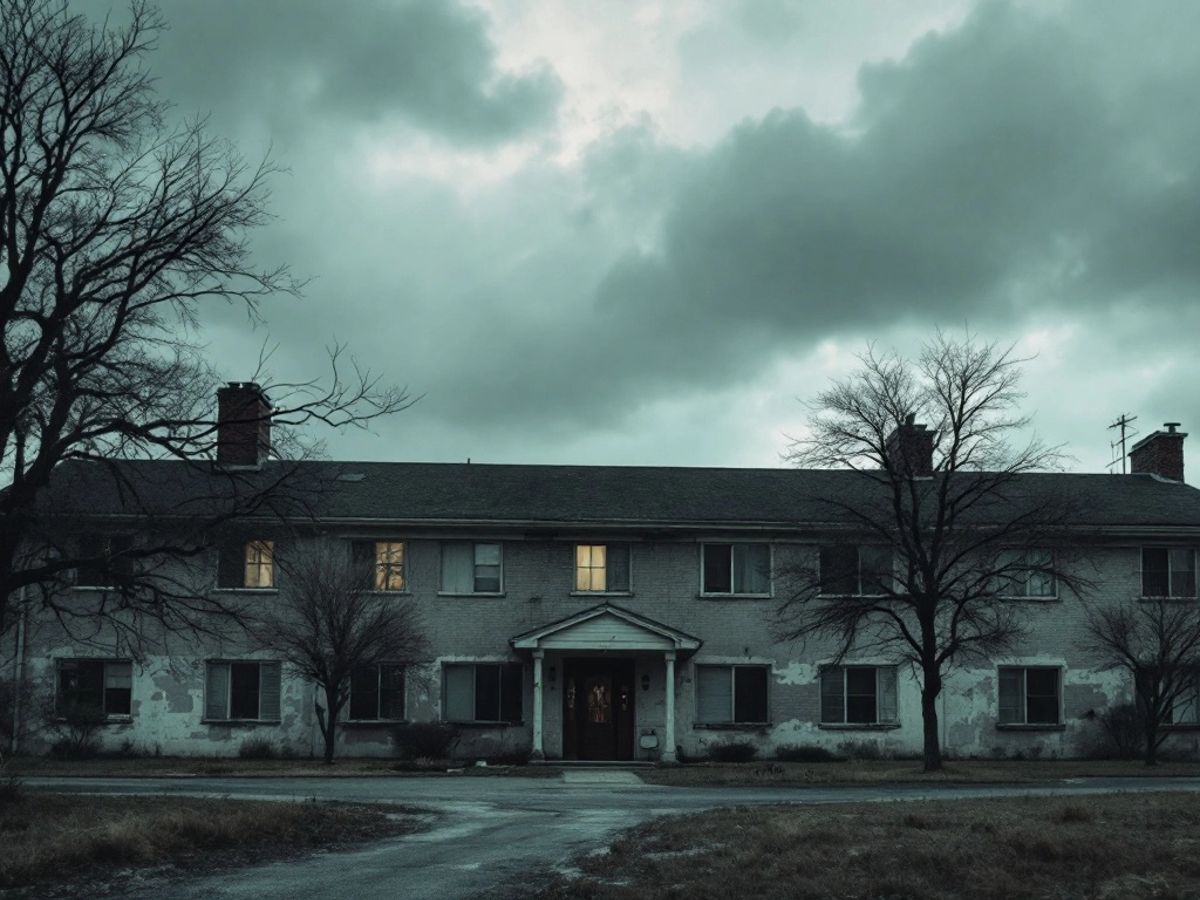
(1157, 642)
(960, 520)
(329, 623)
(117, 230)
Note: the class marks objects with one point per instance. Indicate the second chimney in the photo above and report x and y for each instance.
(243, 425)
(910, 448)
(1159, 453)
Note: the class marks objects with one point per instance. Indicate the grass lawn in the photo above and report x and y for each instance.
(77, 839)
(1123, 847)
(880, 771)
(157, 766)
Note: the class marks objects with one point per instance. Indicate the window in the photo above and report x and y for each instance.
(111, 567)
(1029, 696)
(602, 568)
(1168, 572)
(1186, 709)
(736, 569)
(731, 694)
(246, 564)
(242, 690)
(381, 564)
(858, 695)
(482, 692)
(858, 571)
(377, 693)
(94, 685)
(471, 568)
(1027, 574)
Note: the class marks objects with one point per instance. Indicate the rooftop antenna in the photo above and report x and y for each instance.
(1124, 420)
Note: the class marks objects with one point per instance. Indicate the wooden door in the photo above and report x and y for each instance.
(598, 713)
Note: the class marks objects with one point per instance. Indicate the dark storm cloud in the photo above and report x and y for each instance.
(430, 63)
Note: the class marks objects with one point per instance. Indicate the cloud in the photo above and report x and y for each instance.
(427, 63)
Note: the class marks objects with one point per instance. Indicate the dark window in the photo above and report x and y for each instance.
(743, 568)
(471, 568)
(731, 694)
(858, 695)
(377, 692)
(1168, 572)
(110, 564)
(718, 568)
(1029, 696)
(242, 690)
(839, 569)
(483, 692)
(103, 686)
(846, 569)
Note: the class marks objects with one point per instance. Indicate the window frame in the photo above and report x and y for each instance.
(858, 570)
(626, 591)
(228, 718)
(382, 565)
(1019, 561)
(515, 667)
(843, 669)
(377, 718)
(62, 662)
(733, 592)
(108, 544)
(1060, 719)
(733, 721)
(237, 551)
(474, 545)
(1168, 548)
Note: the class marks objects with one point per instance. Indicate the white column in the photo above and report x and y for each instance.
(668, 752)
(538, 753)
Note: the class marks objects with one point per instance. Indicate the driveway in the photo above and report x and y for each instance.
(492, 832)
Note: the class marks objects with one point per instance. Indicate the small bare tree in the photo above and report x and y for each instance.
(329, 621)
(960, 524)
(1157, 642)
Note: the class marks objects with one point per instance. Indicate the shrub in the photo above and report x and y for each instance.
(861, 750)
(805, 753)
(732, 751)
(78, 725)
(258, 748)
(1123, 730)
(431, 740)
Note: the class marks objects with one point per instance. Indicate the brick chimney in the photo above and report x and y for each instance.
(243, 424)
(910, 447)
(1159, 453)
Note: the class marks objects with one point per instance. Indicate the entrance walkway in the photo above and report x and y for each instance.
(601, 776)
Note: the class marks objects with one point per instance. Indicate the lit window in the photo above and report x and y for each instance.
(380, 564)
(260, 564)
(602, 567)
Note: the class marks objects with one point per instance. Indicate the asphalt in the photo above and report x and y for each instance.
(488, 834)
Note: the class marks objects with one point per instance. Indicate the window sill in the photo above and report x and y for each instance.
(703, 596)
(730, 726)
(241, 721)
(1181, 726)
(372, 723)
(471, 594)
(601, 594)
(1007, 599)
(94, 587)
(382, 593)
(858, 726)
(858, 596)
(1020, 726)
(1154, 599)
(115, 719)
(245, 590)
(486, 724)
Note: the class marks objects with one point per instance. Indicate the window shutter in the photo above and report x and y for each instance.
(391, 692)
(1012, 690)
(458, 568)
(231, 564)
(362, 558)
(268, 690)
(459, 690)
(618, 567)
(714, 694)
(887, 694)
(833, 709)
(216, 691)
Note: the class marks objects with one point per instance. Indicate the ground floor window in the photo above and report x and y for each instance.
(1029, 695)
(377, 693)
(858, 695)
(482, 692)
(242, 691)
(102, 686)
(731, 694)
(1186, 708)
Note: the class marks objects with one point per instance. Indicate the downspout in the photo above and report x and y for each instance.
(18, 677)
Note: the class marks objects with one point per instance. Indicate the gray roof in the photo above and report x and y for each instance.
(649, 496)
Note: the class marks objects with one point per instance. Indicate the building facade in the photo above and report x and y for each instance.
(619, 613)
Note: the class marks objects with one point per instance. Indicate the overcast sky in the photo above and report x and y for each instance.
(636, 232)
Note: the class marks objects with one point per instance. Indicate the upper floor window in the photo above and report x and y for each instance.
(602, 567)
(111, 564)
(482, 692)
(469, 568)
(242, 690)
(856, 570)
(248, 564)
(736, 569)
(731, 694)
(1168, 572)
(381, 564)
(377, 693)
(1029, 695)
(100, 686)
(858, 695)
(1026, 574)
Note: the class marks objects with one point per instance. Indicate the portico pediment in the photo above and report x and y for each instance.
(606, 627)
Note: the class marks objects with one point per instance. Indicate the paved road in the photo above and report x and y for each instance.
(494, 831)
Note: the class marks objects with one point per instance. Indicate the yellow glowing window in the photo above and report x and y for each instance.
(389, 566)
(591, 567)
(260, 564)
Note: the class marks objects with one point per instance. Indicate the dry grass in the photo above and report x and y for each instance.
(165, 766)
(1122, 847)
(881, 771)
(53, 837)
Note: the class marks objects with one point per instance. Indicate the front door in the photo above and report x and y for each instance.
(598, 709)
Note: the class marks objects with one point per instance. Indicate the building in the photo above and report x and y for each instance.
(589, 612)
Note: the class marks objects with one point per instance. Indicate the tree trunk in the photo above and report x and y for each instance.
(1152, 744)
(929, 719)
(329, 729)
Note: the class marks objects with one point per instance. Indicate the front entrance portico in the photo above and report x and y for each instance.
(598, 652)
